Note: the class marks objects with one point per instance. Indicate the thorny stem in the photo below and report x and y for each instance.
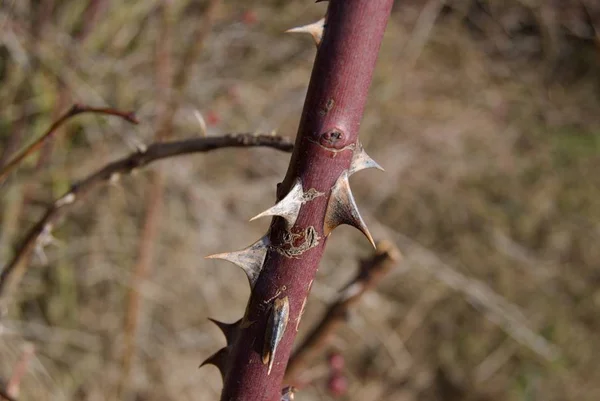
(326, 140)
(370, 273)
(73, 111)
(11, 275)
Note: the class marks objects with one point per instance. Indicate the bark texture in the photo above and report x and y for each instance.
(326, 143)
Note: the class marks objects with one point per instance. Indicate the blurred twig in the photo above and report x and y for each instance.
(73, 111)
(422, 31)
(494, 306)
(192, 52)
(14, 384)
(63, 96)
(370, 273)
(5, 396)
(40, 233)
(89, 19)
(168, 84)
(166, 107)
(11, 393)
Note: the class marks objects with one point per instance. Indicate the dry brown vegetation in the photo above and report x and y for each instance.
(485, 118)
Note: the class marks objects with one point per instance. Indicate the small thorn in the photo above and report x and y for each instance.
(342, 209)
(278, 320)
(361, 160)
(287, 394)
(218, 359)
(201, 122)
(230, 330)
(288, 207)
(315, 30)
(250, 259)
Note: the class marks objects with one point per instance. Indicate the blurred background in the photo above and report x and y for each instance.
(483, 113)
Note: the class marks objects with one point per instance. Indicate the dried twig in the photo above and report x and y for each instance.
(73, 111)
(370, 273)
(5, 396)
(40, 232)
(494, 307)
(14, 385)
(11, 393)
(193, 50)
(169, 82)
(166, 106)
(89, 19)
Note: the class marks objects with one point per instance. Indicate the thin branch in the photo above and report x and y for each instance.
(11, 392)
(5, 396)
(166, 106)
(40, 233)
(14, 385)
(76, 109)
(193, 51)
(89, 19)
(370, 273)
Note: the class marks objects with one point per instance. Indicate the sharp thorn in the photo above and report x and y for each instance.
(278, 320)
(218, 359)
(288, 393)
(315, 30)
(230, 330)
(250, 259)
(361, 160)
(342, 209)
(288, 207)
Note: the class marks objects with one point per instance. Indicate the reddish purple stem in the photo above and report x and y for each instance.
(324, 146)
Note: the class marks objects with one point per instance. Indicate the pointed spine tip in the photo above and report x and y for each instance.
(250, 259)
(342, 209)
(361, 161)
(315, 30)
(219, 360)
(288, 393)
(229, 330)
(287, 208)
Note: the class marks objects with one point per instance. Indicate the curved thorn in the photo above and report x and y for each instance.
(315, 30)
(250, 259)
(230, 330)
(288, 207)
(361, 160)
(218, 359)
(342, 209)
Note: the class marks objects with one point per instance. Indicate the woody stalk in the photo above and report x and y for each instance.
(313, 199)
